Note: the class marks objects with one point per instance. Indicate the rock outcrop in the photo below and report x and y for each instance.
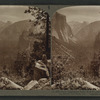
(40, 71)
(74, 84)
(87, 37)
(5, 84)
(61, 27)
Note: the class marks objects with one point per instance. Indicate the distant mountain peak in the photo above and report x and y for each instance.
(77, 26)
(61, 27)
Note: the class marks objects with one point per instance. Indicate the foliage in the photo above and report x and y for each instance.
(40, 45)
(95, 65)
(41, 15)
(38, 50)
(64, 68)
(21, 63)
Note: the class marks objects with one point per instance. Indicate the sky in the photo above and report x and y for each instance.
(81, 13)
(14, 13)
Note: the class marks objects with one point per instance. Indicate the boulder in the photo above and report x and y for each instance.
(74, 84)
(45, 86)
(90, 86)
(30, 85)
(43, 80)
(85, 85)
(40, 71)
(5, 83)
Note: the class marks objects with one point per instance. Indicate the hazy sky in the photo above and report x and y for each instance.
(13, 13)
(81, 13)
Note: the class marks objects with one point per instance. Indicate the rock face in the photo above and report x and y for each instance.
(63, 40)
(77, 26)
(60, 48)
(81, 42)
(17, 38)
(82, 46)
(91, 30)
(9, 39)
(4, 25)
(87, 37)
(61, 27)
(13, 31)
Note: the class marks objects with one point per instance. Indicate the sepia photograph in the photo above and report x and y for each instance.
(76, 48)
(24, 48)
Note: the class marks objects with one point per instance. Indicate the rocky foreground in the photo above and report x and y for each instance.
(42, 81)
(45, 84)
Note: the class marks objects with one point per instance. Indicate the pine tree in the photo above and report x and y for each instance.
(41, 15)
